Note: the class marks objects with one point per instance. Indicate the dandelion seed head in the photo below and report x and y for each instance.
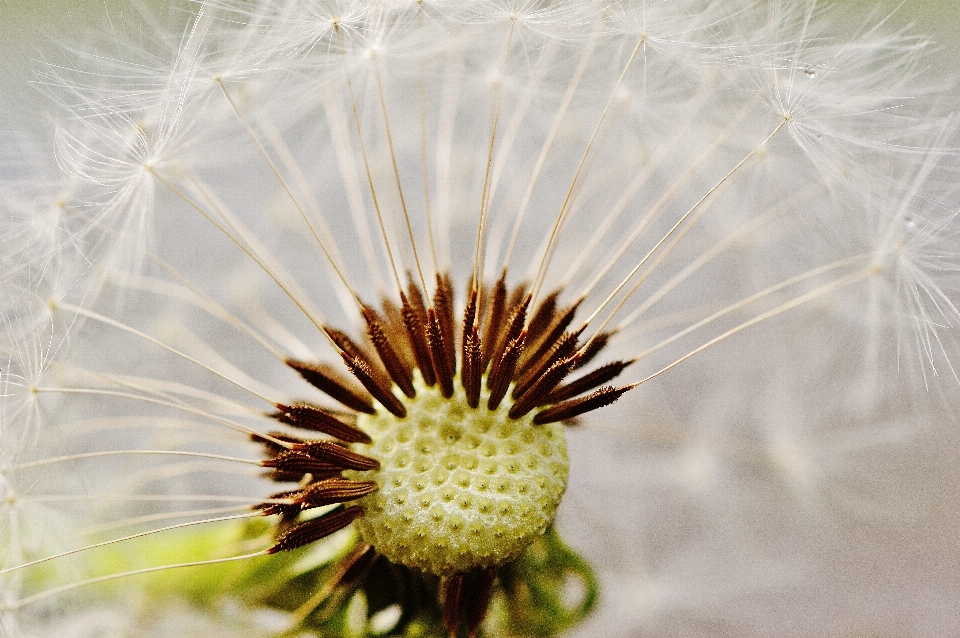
(292, 247)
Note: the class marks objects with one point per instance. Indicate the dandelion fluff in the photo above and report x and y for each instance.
(304, 223)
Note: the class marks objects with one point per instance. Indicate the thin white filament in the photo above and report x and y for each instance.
(478, 254)
(798, 301)
(146, 498)
(170, 404)
(749, 300)
(148, 518)
(548, 143)
(131, 537)
(106, 453)
(564, 208)
(310, 313)
(396, 176)
(23, 602)
(692, 267)
(211, 306)
(366, 166)
(682, 219)
(120, 326)
(423, 149)
(659, 206)
(287, 189)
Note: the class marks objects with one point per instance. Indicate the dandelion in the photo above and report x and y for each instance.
(346, 280)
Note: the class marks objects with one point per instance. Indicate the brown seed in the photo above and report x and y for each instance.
(518, 318)
(438, 354)
(333, 490)
(415, 324)
(495, 327)
(315, 529)
(564, 348)
(301, 463)
(311, 417)
(498, 382)
(375, 384)
(399, 372)
(588, 382)
(337, 455)
(537, 393)
(576, 407)
(443, 304)
(472, 368)
(327, 380)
